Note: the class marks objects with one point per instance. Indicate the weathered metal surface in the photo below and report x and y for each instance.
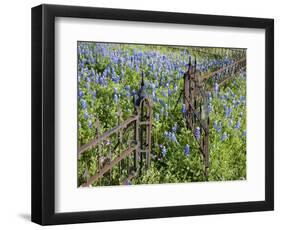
(209, 75)
(142, 120)
(110, 165)
(96, 141)
(195, 97)
(129, 178)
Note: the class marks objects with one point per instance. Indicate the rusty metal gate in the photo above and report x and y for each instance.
(195, 99)
(139, 148)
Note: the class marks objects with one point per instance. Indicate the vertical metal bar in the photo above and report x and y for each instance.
(119, 139)
(110, 157)
(200, 117)
(97, 136)
(138, 141)
(141, 137)
(146, 133)
(97, 125)
(149, 128)
(135, 139)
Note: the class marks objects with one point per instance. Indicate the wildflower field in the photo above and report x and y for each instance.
(112, 78)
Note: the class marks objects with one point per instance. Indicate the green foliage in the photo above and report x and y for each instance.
(227, 157)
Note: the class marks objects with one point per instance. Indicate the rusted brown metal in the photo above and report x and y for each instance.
(148, 131)
(145, 125)
(131, 176)
(142, 120)
(109, 166)
(195, 97)
(209, 75)
(96, 141)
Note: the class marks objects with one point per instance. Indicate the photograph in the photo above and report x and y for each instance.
(157, 114)
(147, 113)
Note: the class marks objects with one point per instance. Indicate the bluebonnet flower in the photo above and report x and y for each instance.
(90, 124)
(243, 99)
(153, 68)
(87, 79)
(88, 85)
(83, 104)
(183, 108)
(209, 95)
(216, 88)
(228, 112)
(226, 96)
(155, 76)
(122, 74)
(156, 116)
(133, 92)
(94, 94)
(173, 137)
(115, 98)
(217, 126)
(236, 103)
(115, 95)
(81, 94)
(224, 136)
(104, 73)
(175, 127)
(127, 87)
(164, 151)
(186, 150)
(152, 86)
(238, 124)
(169, 92)
(244, 133)
(102, 81)
(197, 133)
(175, 87)
(86, 115)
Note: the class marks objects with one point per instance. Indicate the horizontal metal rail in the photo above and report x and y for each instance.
(215, 54)
(109, 166)
(226, 79)
(94, 142)
(130, 177)
(207, 76)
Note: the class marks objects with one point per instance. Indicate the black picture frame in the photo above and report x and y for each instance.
(43, 114)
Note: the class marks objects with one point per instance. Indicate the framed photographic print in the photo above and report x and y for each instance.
(142, 114)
